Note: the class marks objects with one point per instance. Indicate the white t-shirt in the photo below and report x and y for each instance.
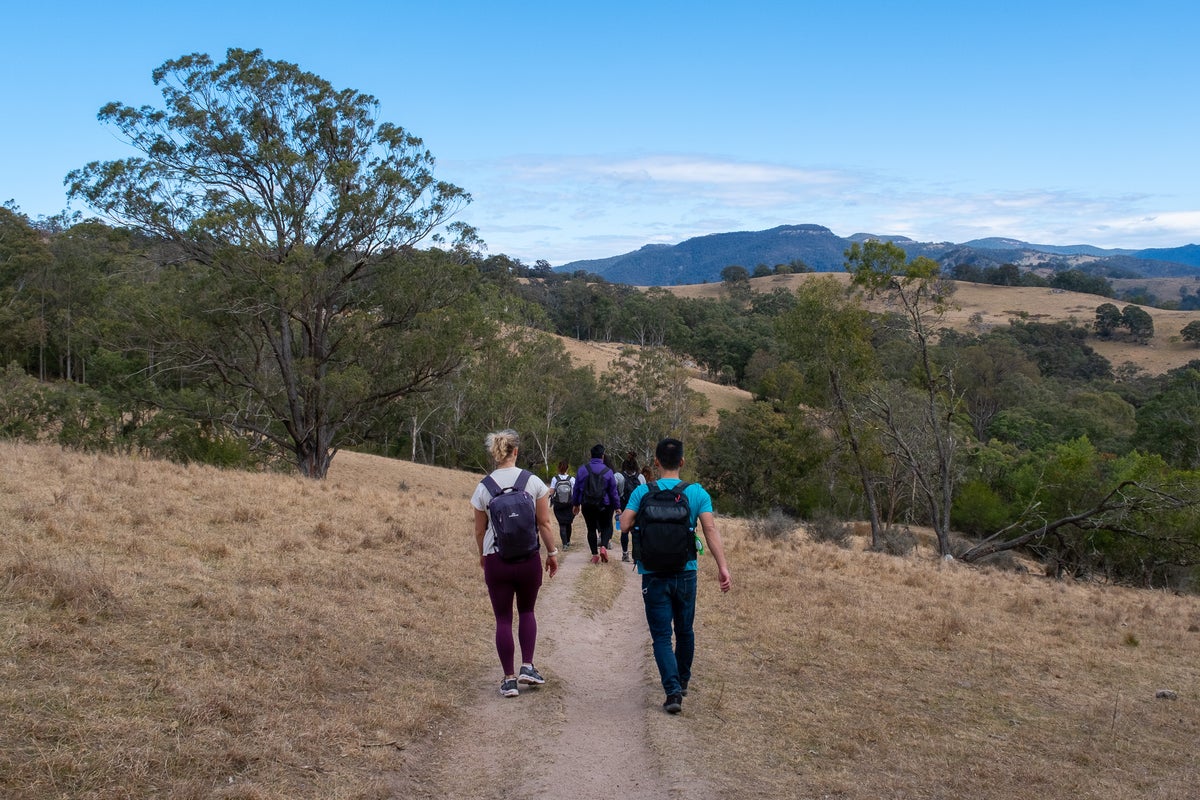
(504, 478)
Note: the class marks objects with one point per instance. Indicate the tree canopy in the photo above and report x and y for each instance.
(294, 213)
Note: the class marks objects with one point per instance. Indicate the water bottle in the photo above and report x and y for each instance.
(699, 545)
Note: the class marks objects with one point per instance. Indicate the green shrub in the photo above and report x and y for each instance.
(177, 438)
(978, 510)
(72, 415)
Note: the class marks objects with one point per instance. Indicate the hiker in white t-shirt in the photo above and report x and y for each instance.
(560, 502)
(509, 580)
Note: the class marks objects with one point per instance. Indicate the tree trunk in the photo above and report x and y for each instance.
(859, 462)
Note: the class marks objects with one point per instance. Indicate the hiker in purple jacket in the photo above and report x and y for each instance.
(597, 497)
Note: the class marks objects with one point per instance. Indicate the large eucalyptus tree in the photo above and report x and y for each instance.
(300, 300)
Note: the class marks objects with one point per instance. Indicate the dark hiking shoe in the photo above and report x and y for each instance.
(530, 677)
(683, 688)
(508, 688)
(674, 704)
(624, 556)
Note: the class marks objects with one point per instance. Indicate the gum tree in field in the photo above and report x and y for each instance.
(1108, 319)
(1191, 332)
(826, 334)
(298, 302)
(926, 443)
(1139, 322)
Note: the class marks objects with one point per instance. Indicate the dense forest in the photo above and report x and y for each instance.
(855, 415)
(259, 298)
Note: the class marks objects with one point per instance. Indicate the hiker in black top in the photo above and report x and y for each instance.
(596, 496)
(632, 479)
(561, 500)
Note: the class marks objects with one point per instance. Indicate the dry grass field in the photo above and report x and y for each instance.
(600, 355)
(185, 632)
(992, 306)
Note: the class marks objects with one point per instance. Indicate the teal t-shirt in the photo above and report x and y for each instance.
(699, 501)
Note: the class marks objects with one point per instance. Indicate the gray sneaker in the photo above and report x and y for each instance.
(508, 688)
(530, 677)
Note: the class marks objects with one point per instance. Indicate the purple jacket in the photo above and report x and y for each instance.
(596, 465)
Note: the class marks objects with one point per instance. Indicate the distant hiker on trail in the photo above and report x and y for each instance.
(562, 486)
(663, 517)
(629, 478)
(512, 514)
(596, 495)
(620, 479)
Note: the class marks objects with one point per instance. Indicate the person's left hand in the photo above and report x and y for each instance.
(725, 580)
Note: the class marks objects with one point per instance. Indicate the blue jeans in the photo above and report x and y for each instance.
(671, 604)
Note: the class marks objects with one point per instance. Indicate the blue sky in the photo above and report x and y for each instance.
(588, 130)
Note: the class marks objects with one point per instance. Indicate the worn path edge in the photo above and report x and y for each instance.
(586, 733)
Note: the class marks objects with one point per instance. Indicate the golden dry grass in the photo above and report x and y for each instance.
(859, 675)
(597, 589)
(185, 632)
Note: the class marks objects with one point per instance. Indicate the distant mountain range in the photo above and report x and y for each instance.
(700, 260)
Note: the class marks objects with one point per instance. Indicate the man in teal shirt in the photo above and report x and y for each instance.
(670, 597)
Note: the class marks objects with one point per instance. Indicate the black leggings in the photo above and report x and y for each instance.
(599, 521)
(564, 517)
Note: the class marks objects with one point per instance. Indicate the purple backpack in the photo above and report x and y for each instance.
(513, 513)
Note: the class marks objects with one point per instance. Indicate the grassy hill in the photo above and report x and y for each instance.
(599, 355)
(187, 632)
(991, 306)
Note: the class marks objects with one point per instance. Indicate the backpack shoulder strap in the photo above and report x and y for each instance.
(522, 479)
(679, 487)
(490, 484)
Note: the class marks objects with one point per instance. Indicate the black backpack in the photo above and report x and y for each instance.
(663, 537)
(595, 488)
(631, 483)
(514, 518)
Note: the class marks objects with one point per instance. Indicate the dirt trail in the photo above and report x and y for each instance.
(583, 735)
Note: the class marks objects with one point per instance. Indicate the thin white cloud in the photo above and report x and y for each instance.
(1177, 226)
(573, 208)
(716, 172)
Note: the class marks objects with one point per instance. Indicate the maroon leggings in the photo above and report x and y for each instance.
(505, 581)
